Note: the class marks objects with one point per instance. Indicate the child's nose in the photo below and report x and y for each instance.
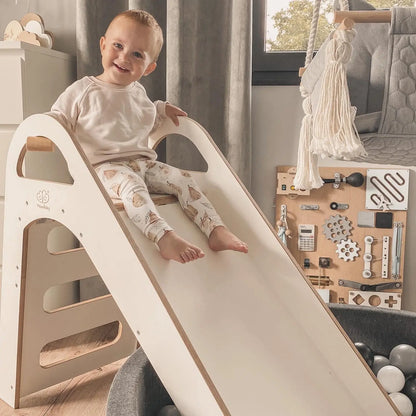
(123, 55)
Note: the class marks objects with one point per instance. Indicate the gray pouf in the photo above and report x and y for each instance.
(170, 410)
(138, 391)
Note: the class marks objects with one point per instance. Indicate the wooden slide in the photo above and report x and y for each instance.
(230, 334)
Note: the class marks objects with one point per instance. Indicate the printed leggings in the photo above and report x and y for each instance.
(133, 180)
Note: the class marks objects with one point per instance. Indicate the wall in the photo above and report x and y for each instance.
(277, 115)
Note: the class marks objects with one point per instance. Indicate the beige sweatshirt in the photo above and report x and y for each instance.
(109, 121)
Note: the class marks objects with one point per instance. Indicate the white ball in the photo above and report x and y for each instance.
(379, 362)
(391, 378)
(403, 403)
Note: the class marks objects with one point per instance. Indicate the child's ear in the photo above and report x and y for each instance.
(150, 68)
(102, 43)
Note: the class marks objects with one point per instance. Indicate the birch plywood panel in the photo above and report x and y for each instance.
(350, 217)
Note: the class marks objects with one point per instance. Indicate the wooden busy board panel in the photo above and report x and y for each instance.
(344, 236)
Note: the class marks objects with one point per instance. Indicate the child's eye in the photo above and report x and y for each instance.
(118, 45)
(137, 54)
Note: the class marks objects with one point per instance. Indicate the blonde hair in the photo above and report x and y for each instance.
(146, 19)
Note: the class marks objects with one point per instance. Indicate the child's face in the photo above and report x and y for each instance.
(127, 52)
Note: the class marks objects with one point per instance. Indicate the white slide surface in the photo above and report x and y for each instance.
(230, 334)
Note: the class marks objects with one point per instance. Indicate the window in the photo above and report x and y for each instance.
(272, 68)
(280, 36)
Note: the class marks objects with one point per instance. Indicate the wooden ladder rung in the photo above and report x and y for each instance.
(39, 144)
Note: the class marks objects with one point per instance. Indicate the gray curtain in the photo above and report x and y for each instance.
(209, 76)
(207, 54)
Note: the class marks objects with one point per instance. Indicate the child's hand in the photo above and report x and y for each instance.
(174, 112)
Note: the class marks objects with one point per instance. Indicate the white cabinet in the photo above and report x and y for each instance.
(31, 79)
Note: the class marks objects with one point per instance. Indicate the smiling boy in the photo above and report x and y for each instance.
(112, 117)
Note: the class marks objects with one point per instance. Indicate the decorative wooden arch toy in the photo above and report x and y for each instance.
(230, 334)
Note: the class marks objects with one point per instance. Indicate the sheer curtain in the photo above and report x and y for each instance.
(205, 67)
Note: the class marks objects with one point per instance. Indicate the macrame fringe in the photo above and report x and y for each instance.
(307, 173)
(334, 133)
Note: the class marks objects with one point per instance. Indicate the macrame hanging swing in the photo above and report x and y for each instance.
(329, 126)
(332, 131)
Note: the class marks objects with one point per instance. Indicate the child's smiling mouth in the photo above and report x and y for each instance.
(120, 68)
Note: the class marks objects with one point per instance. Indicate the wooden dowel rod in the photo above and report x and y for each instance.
(346, 24)
(39, 144)
(363, 16)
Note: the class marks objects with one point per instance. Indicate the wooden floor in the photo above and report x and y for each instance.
(85, 395)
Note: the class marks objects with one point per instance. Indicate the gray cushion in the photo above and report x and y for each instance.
(367, 123)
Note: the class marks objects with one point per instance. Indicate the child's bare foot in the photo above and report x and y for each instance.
(223, 239)
(173, 247)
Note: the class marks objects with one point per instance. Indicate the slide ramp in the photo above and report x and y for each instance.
(229, 334)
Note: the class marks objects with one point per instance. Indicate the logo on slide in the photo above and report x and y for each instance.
(42, 198)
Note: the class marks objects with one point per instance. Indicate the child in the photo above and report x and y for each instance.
(111, 116)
